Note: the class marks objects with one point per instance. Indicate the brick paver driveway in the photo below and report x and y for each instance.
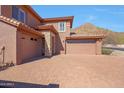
(70, 71)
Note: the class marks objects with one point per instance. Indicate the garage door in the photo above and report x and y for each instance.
(81, 47)
(30, 47)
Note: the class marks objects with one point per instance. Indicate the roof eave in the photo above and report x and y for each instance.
(34, 12)
(19, 25)
(47, 28)
(57, 19)
(84, 37)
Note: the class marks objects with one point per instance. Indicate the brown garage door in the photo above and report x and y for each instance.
(81, 47)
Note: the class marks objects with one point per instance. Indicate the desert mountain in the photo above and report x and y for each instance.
(88, 28)
(111, 37)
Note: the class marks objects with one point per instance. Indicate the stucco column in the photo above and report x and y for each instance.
(0, 9)
(68, 29)
(98, 46)
(48, 46)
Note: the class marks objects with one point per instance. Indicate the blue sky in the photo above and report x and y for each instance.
(110, 17)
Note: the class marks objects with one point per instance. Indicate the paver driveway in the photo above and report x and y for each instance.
(70, 71)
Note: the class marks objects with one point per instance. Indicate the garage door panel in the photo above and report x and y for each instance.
(81, 47)
(80, 41)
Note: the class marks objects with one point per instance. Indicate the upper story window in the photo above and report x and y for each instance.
(15, 12)
(18, 14)
(62, 26)
(21, 16)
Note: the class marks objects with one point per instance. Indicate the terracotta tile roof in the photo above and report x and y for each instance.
(87, 34)
(19, 25)
(33, 12)
(47, 28)
(56, 19)
(9, 21)
(85, 37)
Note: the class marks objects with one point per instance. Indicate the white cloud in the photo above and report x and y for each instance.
(100, 9)
(90, 18)
(118, 13)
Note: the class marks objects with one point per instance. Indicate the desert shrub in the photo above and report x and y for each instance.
(106, 51)
(111, 38)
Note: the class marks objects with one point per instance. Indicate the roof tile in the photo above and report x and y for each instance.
(18, 23)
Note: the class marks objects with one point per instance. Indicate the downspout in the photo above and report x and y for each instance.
(2, 53)
(3, 49)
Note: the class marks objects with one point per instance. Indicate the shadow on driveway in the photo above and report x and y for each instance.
(13, 84)
(121, 49)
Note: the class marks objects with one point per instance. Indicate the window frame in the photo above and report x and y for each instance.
(64, 29)
(13, 12)
(20, 10)
(18, 14)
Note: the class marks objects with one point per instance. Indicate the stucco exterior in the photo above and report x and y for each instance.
(99, 46)
(0, 9)
(8, 40)
(50, 43)
(39, 37)
(31, 21)
(6, 10)
(60, 38)
(18, 45)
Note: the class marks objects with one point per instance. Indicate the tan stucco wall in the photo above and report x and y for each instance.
(55, 24)
(48, 47)
(60, 38)
(0, 9)
(99, 46)
(30, 19)
(53, 43)
(50, 43)
(8, 39)
(6, 10)
(28, 49)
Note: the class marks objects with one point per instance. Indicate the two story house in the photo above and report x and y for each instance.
(24, 36)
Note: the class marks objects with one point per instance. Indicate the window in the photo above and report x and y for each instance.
(15, 12)
(18, 14)
(62, 26)
(21, 16)
(35, 39)
(22, 38)
(31, 39)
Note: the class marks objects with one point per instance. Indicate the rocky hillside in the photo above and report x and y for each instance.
(88, 28)
(111, 37)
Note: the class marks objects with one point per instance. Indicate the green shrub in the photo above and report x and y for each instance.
(106, 51)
